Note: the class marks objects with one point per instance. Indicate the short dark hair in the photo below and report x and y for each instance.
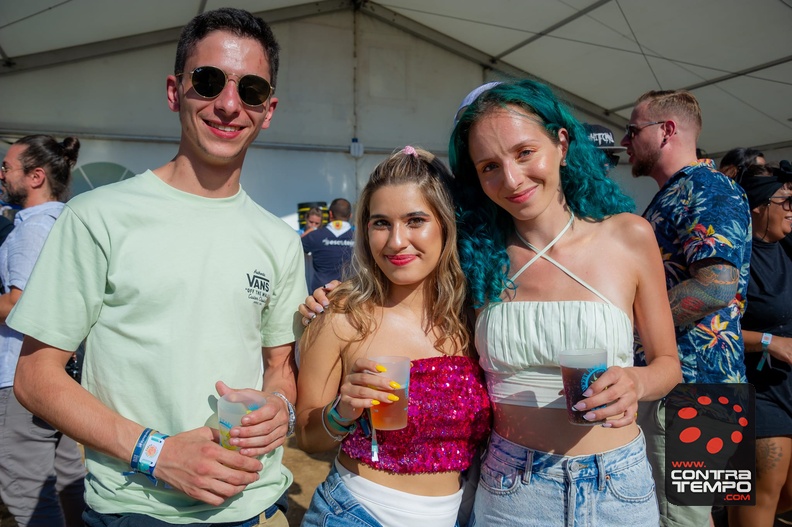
(341, 209)
(237, 21)
(57, 160)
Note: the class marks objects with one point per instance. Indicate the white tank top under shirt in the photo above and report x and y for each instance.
(519, 342)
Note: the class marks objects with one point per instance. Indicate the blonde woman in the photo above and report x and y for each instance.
(405, 297)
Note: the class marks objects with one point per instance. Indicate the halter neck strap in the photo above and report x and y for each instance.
(539, 253)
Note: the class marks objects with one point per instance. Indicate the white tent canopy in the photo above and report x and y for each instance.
(393, 72)
(735, 55)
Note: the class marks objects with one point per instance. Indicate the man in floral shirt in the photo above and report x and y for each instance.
(703, 227)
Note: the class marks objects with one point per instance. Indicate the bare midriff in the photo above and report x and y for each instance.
(434, 484)
(547, 430)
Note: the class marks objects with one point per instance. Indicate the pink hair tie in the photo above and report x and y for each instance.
(409, 151)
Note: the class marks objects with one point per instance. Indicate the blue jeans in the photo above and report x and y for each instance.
(525, 487)
(333, 506)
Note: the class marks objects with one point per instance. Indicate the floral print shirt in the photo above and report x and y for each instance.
(700, 213)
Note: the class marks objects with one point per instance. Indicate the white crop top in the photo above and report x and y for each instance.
(518, 342)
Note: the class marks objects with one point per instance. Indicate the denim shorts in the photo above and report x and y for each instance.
(525, 487)
(333, 506)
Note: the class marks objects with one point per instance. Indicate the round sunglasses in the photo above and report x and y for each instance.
(208, 82)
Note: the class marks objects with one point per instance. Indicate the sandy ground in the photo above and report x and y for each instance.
(308, 470)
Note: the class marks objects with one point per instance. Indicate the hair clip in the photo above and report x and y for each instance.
(409, 151)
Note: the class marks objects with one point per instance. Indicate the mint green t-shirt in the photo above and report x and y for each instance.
(174, 292)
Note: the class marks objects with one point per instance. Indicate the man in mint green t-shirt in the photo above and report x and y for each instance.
(184, 290)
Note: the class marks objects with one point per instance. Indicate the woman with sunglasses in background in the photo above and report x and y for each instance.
(553, 263)
(405, 297)
(767, 332)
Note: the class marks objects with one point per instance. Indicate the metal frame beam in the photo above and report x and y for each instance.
(723, 78)
(115, 46)
(461, 49)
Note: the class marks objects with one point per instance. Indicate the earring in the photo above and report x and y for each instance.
(563, 162)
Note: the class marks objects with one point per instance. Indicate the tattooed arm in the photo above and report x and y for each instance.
(712, 287)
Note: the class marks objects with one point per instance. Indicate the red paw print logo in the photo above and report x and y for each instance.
(700, 416)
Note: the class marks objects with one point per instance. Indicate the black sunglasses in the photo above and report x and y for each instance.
(785, 203)
(208, 82)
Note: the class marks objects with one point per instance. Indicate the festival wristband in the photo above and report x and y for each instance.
(336, 416)
(150, 453)
(336, 437)
(141, 442)
(767, 338)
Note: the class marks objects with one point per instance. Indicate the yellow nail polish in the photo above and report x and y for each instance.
(395, 385)
(381, 368)
(392, 397)
(374, 402)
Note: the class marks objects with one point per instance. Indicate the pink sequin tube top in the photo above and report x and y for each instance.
(449, 415)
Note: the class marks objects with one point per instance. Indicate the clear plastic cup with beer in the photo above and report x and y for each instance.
(231, 408)
(580, 367)
(393, 416)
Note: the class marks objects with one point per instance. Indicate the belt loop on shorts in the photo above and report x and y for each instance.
(526, 477)
(602, 473)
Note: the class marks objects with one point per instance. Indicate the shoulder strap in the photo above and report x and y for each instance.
(541, 254)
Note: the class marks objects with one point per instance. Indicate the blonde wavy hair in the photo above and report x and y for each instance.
(367, 286)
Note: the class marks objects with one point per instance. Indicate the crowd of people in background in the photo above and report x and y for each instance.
(483, 273)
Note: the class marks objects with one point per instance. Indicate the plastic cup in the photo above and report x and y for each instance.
(231, 408)
(579, 369)
(393, 416)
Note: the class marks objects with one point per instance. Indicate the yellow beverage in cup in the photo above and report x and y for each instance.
(393, 416)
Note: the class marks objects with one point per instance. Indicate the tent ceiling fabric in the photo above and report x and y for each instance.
(736, 56)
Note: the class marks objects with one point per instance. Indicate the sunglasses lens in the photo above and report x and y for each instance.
(208, 81)
(613, 160)
(254, 90)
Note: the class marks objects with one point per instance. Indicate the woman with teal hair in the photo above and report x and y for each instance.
(554, 262)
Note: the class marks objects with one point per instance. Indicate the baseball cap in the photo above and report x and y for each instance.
(470, 97)
(602, 137)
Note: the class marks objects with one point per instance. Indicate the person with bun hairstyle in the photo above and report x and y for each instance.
(41, 470)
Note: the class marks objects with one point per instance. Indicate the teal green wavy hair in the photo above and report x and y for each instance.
(484, 227)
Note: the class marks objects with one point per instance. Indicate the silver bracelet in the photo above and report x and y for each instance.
(337, 438)
(292, 415)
